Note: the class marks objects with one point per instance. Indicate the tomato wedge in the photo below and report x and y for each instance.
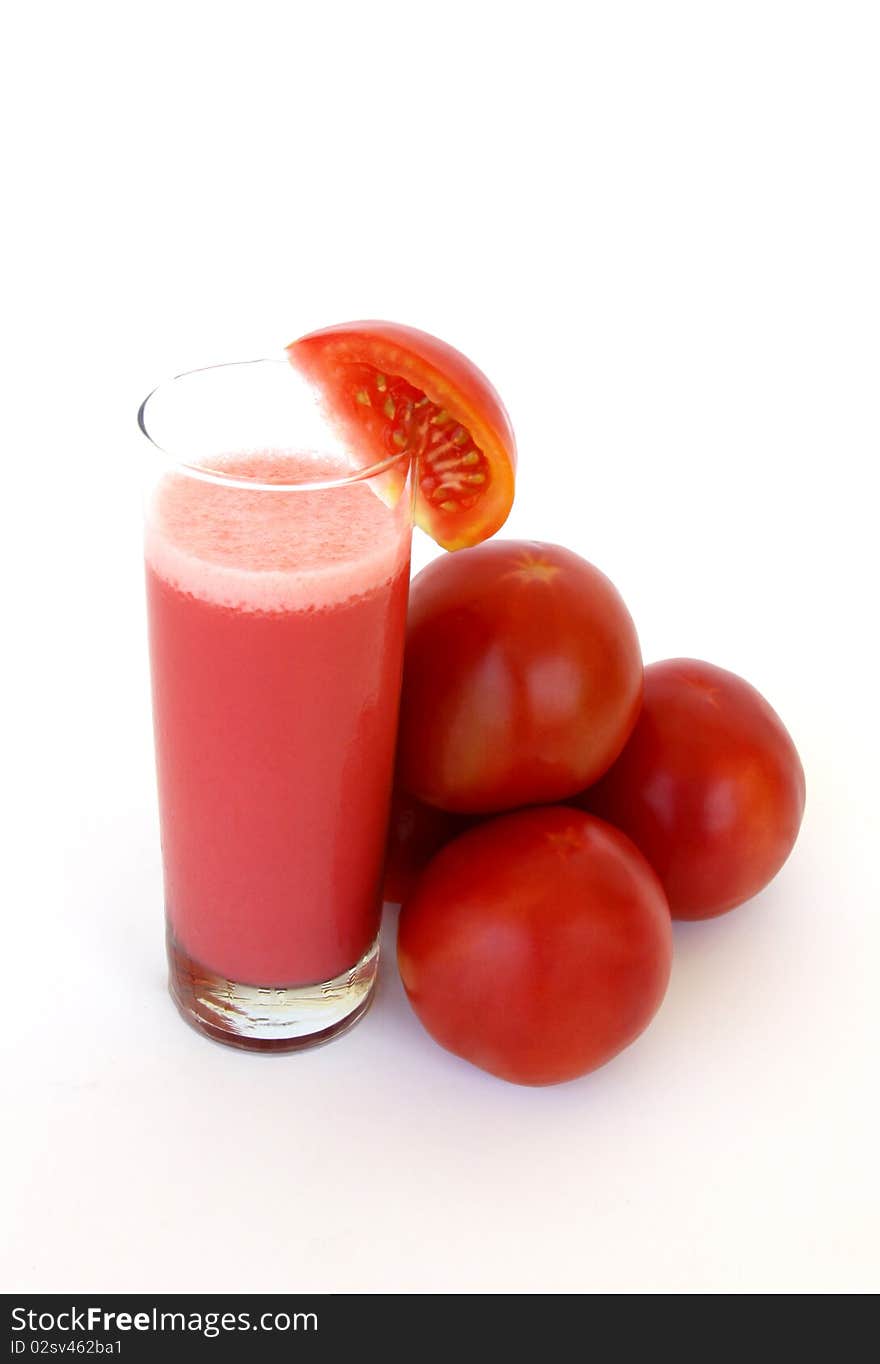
(394, 389)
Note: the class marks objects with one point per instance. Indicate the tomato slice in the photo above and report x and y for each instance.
(394, 389)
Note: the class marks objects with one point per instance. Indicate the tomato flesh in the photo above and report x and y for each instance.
(394, 390)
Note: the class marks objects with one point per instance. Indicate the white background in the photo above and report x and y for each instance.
(656, 227)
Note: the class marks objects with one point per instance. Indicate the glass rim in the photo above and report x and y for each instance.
(209, 475)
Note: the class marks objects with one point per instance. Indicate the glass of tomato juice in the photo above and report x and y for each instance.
(277, 568)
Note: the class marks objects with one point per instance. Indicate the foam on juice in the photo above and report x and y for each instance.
(256, 550)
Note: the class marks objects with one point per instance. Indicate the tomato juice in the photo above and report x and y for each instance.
(277, 622)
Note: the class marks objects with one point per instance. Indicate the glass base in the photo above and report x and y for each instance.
(266, 1018)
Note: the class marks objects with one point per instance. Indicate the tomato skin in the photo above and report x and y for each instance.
(709, 786)
(522, 678)
(537, 945)
(415, 833)
(451, 381)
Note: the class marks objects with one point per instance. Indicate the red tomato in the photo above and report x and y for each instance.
(415, 833)
(522, 678)
(537, 945)
(393, 389)
(710, 787)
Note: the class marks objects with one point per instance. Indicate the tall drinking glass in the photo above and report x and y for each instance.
(277, 573)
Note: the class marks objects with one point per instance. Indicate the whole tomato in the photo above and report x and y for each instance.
(415, 833)
(536, 945)
(709, 786)
(522, 678)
